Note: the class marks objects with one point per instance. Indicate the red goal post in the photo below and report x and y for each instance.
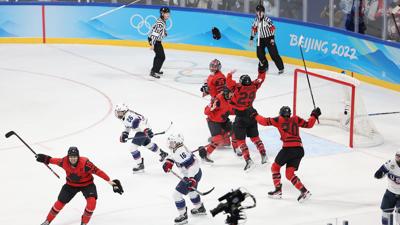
(298, 72)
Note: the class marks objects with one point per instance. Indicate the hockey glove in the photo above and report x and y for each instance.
(202, 152)
(380, 173)
(43, 158)
(168, 164)
(316, 112)
(216, 33)
(204, 88)
(124, 137)
(117, 187)
(190, 182)
(149, 133)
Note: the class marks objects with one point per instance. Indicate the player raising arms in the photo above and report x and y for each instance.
(79, 172)
(292, 151)
(245, 124)
(190, 168)
(142, 137)
(220, 126)
(391, 198)
(216, 80)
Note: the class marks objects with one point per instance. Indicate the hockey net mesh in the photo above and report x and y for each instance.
(334, 99)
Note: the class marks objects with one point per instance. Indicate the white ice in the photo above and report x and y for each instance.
(56, 96)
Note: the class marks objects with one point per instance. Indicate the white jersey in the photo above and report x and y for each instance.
(134, 122)
(186, 161)
(393, 175)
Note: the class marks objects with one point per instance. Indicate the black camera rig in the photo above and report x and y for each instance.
(231, 205)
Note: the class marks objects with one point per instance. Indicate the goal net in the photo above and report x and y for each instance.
(341, 104)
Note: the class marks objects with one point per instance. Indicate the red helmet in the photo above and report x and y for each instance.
(215, 65)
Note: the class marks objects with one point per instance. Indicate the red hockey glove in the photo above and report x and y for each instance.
(191, 182)
(168, 164)
(43, 158)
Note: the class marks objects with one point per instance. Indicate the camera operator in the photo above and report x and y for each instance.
(233, 206)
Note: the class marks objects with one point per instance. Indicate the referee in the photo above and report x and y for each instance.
(157, 33)
(265, 30)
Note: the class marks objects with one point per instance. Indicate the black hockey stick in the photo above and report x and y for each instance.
(155, 134)
(10, 133)
(382, 113)
(194, 189)
(305, 68)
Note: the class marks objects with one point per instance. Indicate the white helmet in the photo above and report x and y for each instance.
(397, 156)
(120, 110)
(174, 140)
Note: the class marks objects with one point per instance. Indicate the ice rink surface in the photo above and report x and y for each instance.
(56, 96)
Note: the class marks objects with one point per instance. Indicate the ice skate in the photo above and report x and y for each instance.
(139, 168)
(238, 152)
(199, 211)
(181, 219)
(163, 155)
(277, 194)
(305, 195)
(264, 158)
(204, 155)
(159, 73)
(153, 74)
(249, 165)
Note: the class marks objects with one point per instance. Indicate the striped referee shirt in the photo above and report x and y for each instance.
(158, 31)
(262, 27)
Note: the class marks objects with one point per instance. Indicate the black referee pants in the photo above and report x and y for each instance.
(273, 52)
(159, 58)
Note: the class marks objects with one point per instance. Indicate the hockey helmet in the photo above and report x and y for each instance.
(215, 65)
(120, 110)
(72, 153)
(397, 156)
(174, 140)
(260, 8)
(245, 80)
(285, 111)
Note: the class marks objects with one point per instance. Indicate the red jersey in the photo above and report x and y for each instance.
(216, 82)
(221, 113)
(81, 175)
(243, 96)
(288, 128)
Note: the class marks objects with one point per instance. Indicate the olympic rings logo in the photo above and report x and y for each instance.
(143, 26)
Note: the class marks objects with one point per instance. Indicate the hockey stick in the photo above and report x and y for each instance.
(155, 134)
(10, 133)
(194, 189)
(113, 10)
(383, 113)
(305, 68)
